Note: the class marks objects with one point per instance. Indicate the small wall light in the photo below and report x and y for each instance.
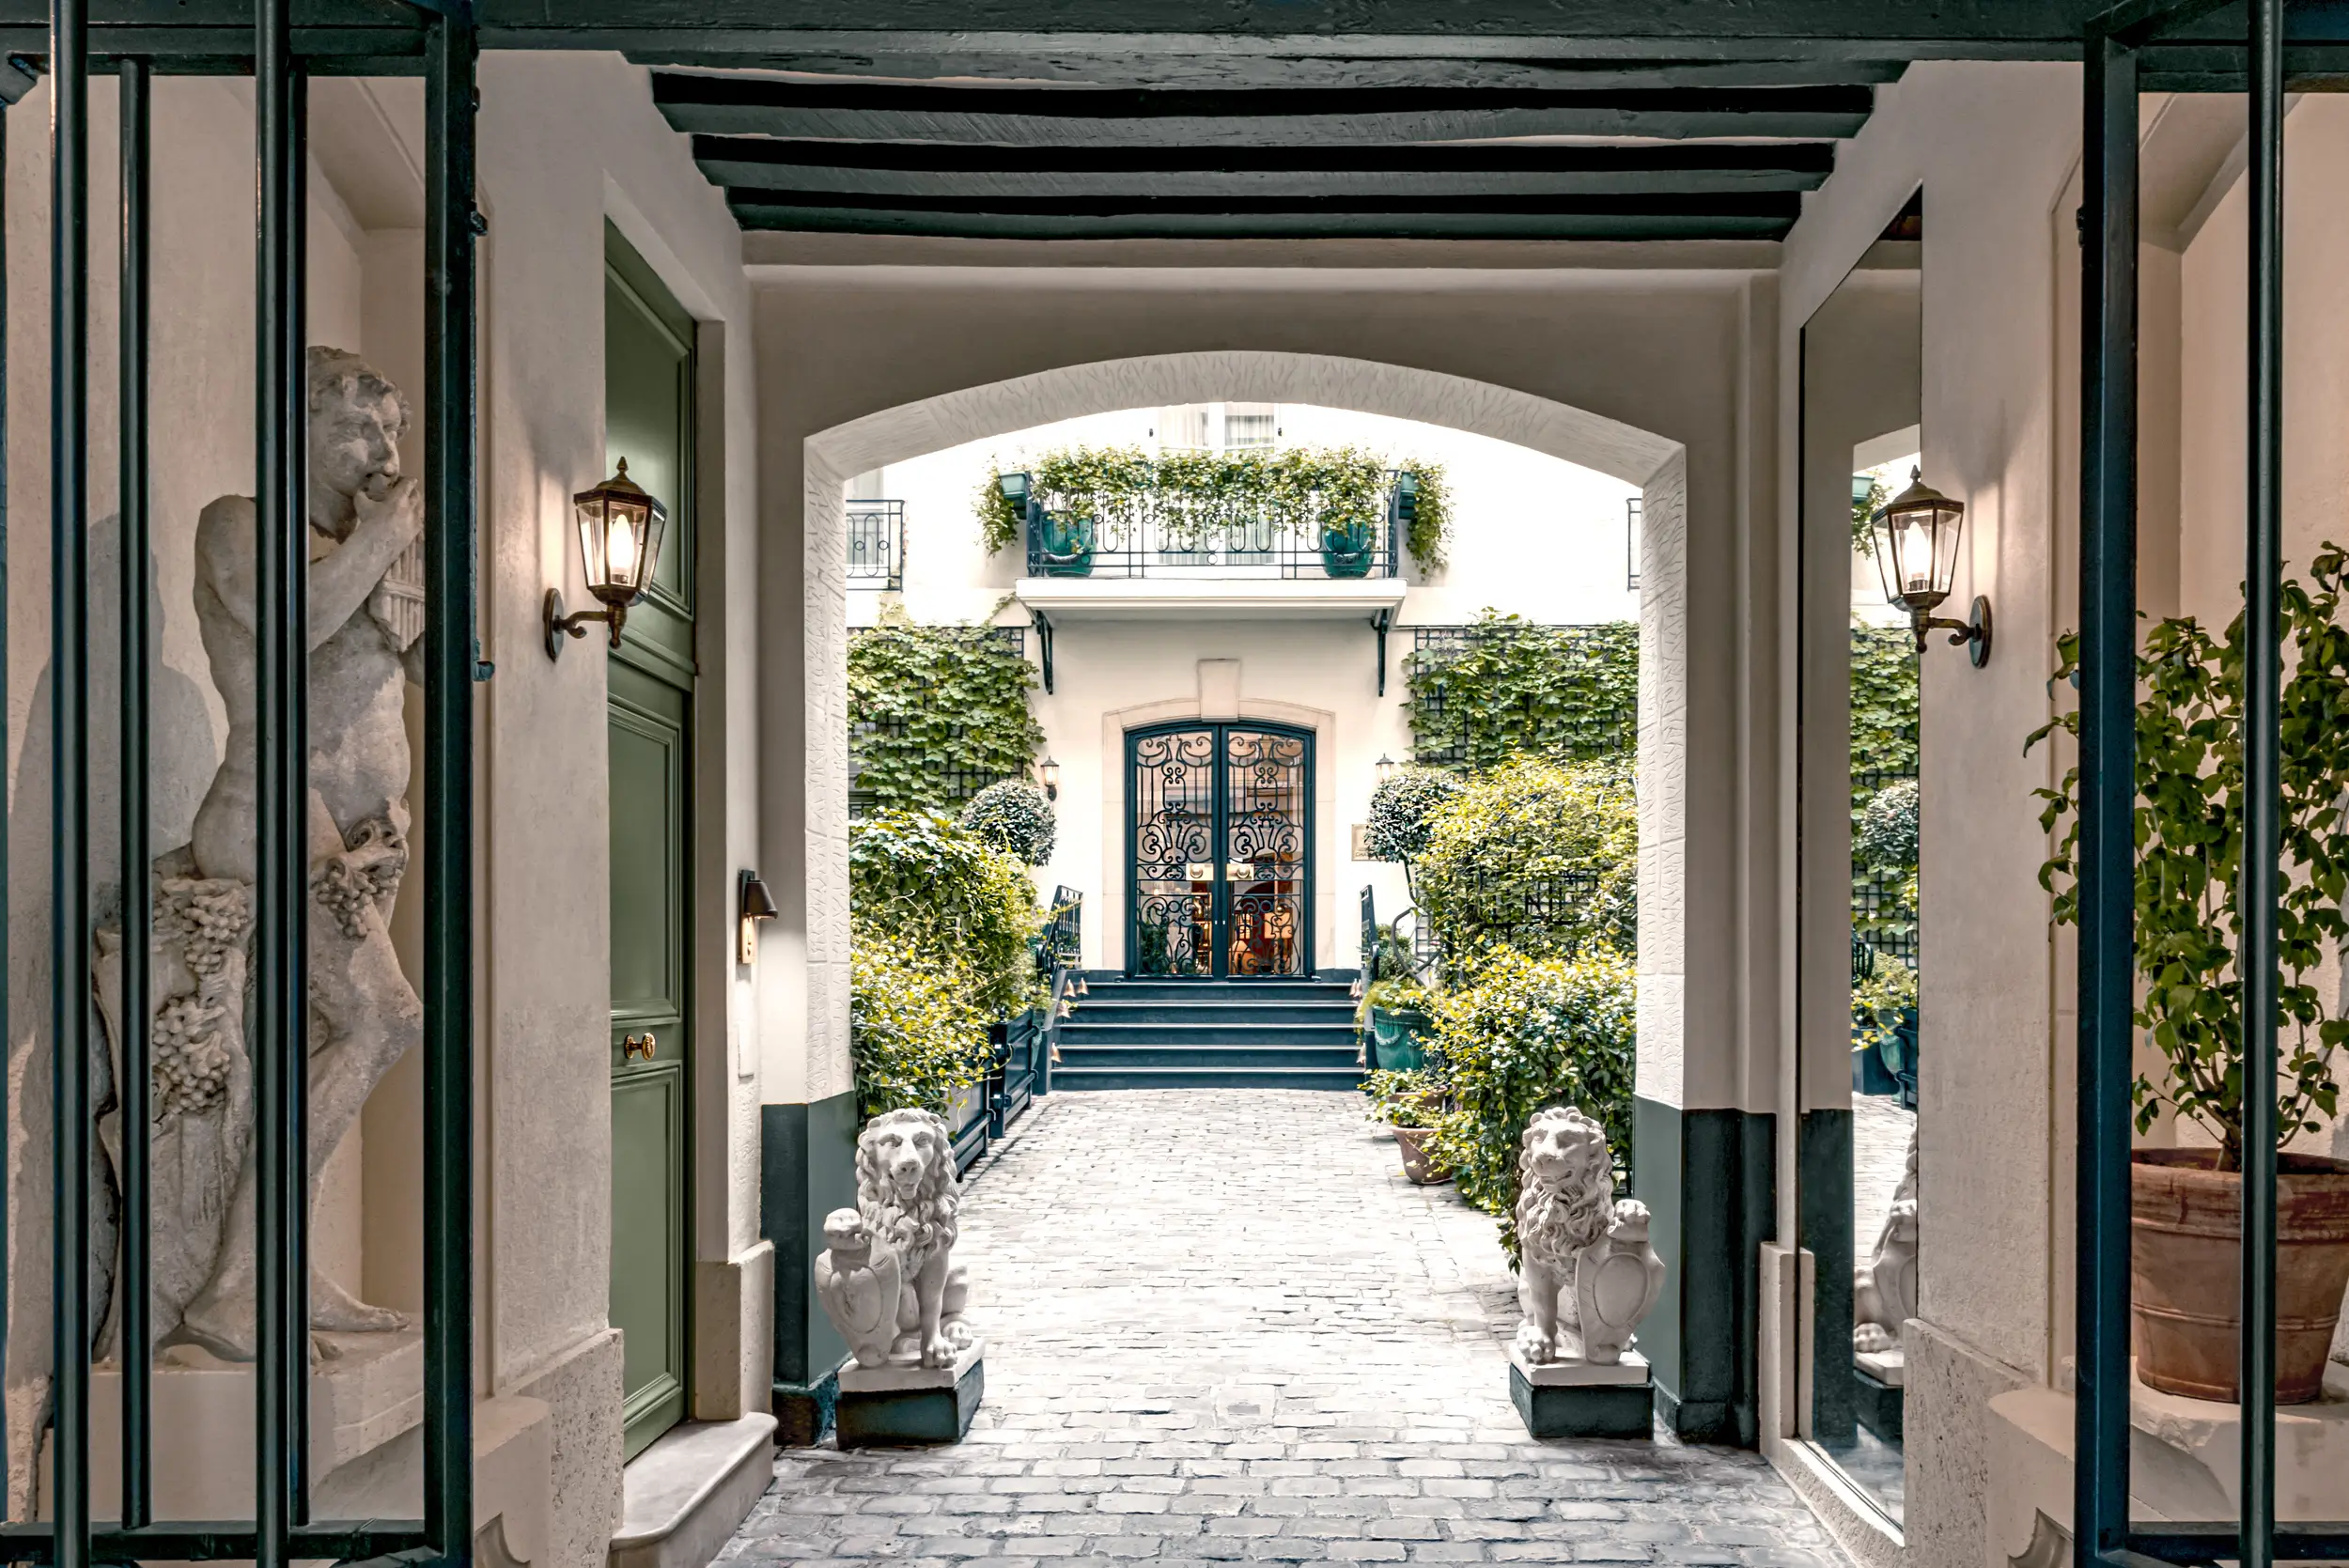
(752, 904)
(1386, 768)
(1047, 774)
(620, 528)
(1916, 550)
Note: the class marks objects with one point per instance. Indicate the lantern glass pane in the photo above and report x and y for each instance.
(1948, 523)
(592, 557)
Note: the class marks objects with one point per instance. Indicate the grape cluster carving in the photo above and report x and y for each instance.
(208, 923)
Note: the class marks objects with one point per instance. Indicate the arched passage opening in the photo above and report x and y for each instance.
(1655, 464)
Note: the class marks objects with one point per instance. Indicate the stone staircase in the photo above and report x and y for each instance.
(1209, 1034)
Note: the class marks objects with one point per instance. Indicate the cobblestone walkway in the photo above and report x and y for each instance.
(1220, 1325)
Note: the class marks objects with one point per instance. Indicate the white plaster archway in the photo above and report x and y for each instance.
(1655, 463)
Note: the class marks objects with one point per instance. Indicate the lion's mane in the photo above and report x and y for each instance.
(1556, 1221)
(926, 1226)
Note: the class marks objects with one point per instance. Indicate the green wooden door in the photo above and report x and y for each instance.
(649, 382)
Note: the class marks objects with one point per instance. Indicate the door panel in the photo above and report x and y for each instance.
(649, 381)
(1219, 832)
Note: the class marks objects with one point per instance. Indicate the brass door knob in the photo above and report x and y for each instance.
(642, 1044)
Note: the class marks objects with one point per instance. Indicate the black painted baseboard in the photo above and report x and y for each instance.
(1709, 1179)
(807, 1167)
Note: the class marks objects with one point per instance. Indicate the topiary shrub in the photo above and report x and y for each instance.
(1538, 856)
(914, 1035)
(1524, 1033)
(942, 891)
(1886, 839)
(1403, 813)
(1013, 816)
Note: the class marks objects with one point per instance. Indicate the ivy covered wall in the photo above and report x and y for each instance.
(936, 714)
(1504, 687)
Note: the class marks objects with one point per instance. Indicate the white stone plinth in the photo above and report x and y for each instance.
(855, 1379)
(1888, 1367)
(1631, 1371)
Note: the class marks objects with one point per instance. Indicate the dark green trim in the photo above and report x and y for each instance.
(807, 1169)
(1823, 1217)
(912, 1415)
(1605, 1410)
(804, 1411)
(1709, 1181)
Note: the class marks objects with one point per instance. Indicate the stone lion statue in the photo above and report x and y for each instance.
(1586, 1274)
(903, 1234)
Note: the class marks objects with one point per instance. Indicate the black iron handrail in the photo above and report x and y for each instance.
(877, 545)
(1179, 536)
(1019, 1068)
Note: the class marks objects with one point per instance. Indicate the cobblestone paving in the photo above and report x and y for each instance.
(1221, 1328)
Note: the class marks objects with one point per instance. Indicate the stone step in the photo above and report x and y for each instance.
(1090, 1057)
(1079, 1031)
(1102, 1008)
(1200, 991)
(1080, 1078)
(683, 1497)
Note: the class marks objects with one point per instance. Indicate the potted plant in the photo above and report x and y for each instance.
(1394, 1015)
(1408, 1101)
(2188, 1203)
(1067, 545)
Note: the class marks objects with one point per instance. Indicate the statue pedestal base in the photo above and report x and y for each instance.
(882, 1405)
(1878, 1379)
(1577, 1399)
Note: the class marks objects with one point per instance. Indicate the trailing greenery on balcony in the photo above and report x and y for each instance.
(1231, 509)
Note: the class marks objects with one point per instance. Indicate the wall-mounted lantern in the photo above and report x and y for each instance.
(1047, 774)
(620, 529)
(1916, 549)
(752, 904)
(1386, 768)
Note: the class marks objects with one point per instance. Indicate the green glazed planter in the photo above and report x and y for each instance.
(1068, 547)
(1345, 552)
(1394, 1040)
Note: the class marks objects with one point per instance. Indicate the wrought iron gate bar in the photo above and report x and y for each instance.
(69, 777)
(278, 1532)
(2107, 751)
(452, 664)
(281, 1032)
(136, 1085)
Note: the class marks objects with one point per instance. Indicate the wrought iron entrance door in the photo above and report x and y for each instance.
(1220, 830)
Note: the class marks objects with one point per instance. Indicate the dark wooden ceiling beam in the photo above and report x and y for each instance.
(1047, 65)
(1174, 218)
(1052, 116)
(922, 170)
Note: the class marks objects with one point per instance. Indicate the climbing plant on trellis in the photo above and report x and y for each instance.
(1504, 687)
(936, 713)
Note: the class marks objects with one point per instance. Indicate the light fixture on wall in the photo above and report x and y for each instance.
(1386, 768)
(1047, 774)
(1916, 549)
(753, 903)
(620, 529)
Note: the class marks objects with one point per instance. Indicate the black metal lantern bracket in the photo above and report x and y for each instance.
(575, 624)
(1972, 634)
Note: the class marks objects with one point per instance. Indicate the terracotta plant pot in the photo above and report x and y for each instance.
(2186, 1234)
(1417, 1163)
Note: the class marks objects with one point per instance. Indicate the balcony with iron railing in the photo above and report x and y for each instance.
(1172, 550)
(877, 545)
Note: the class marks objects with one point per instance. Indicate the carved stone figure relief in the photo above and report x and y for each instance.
(1587, 1273)
(365, 618)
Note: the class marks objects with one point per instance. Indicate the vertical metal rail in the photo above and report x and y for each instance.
(294, 331)
(281, 660)
(2263, 787)
(2107, 766)
(68, 717)
(134, 1087)
(451, 223)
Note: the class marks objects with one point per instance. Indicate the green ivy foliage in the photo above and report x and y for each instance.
(935, 712)
(1884, 781)
(1883, 704)
(1532, 1033)
(940, 890)
(1567, 693)
(914, 1035)
(1404, 1098)
(1015, 816)
(2189, 835)
(1879, 1002)
(1312, 493)
(1520, 835)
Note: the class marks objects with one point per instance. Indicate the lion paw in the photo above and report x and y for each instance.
(939, 1350)
(1534, 1345)
(1872, 1338)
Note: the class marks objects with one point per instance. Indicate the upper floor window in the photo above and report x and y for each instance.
(1217, 426)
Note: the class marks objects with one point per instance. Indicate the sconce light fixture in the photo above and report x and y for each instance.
(619, 544)
(752, 904)
(1047, 774)
(1386, 768)
(1916, 550)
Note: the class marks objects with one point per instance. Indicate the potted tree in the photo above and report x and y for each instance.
(2187, 1204)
